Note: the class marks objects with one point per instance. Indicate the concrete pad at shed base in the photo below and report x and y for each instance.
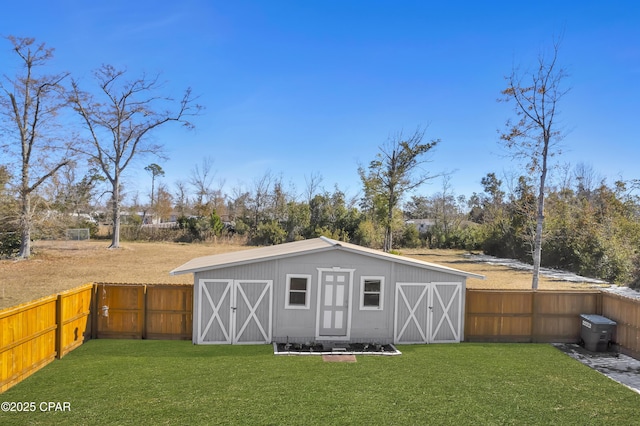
(339, 358)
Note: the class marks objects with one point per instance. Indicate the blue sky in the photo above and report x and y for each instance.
(306, 87)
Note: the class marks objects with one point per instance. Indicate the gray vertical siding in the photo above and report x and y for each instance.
(299, 325)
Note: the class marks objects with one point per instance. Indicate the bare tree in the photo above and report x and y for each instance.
(312, 186)
(395, 172)
(238, 204)
(208, 199)
(447, 211)
(119, 121)
(587, 179)
(30, 104)
(181, 196)
(218, 199)
(259, 199)
(535, 135)
(201, 179)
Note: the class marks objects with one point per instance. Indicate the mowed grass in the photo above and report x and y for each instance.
(129, 382)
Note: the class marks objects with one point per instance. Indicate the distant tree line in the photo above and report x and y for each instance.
(53, 179)
(591, 227)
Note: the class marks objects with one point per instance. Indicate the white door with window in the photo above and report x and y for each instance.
(428, 312)
(234, 311)
(334, 303)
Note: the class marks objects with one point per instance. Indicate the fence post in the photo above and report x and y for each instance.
(59, 327)
(95, 313)
(144, 312)
(532, 329)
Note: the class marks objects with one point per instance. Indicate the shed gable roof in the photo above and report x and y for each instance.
(298, 248)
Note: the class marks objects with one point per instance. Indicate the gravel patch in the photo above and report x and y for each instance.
(619, 367)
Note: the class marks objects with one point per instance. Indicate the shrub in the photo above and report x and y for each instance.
(410, 237)
(270, 233)
(369, 235)
(9, 244)
(195, 228)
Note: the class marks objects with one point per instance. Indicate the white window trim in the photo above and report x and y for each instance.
(371, 308)
(307, 299)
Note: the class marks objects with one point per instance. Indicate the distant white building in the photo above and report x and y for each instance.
(423, 225)
(83, 216)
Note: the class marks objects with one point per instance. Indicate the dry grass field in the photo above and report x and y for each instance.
(60, 265)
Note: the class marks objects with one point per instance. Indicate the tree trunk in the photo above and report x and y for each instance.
(537, 242)
(25, 227)
(115, 204)
(25, 211)
(153, 181)
(537, 250)
(388, 234)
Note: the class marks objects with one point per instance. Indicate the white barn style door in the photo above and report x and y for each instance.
(252, 308)
(214, 311)
(412, 305)
(446, 313)
(234, 311)
(428, 312)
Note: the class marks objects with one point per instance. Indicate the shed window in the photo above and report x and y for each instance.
(371, 293)
(298, 291)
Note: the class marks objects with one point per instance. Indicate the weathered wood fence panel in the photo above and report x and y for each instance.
(527, 316)
(154, 311)
(626, 313)
(33, 334)
(556, 315)
(169, 312)
(498, 316)
(119, 311)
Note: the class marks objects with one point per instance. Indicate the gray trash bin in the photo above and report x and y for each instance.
(596, 332)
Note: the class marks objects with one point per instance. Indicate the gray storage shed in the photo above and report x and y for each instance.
(321, 290)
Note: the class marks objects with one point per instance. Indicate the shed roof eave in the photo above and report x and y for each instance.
(200, 264)
(184, 269)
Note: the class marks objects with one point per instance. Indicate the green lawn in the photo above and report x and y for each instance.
(130, 382)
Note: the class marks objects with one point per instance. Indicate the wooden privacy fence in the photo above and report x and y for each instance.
(137, 311)
(626, 313)
(548, 316)
(527, 316)
(34, 333)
